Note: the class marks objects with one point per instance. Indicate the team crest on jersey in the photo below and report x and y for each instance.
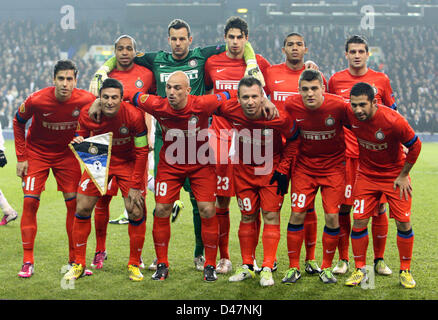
(193, 63)
(93, 149)
(193, 120)
(380, 135)
(329, 121)
(375, 89)
(139, 83)
(123, 130)
(76, 113)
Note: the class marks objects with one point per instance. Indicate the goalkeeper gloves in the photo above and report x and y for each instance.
(99, 77)
(252, 69)
(3, 160)
(282, 182)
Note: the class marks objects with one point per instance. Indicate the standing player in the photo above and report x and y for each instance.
(319, 119)
(9, 213)
(281, 82)
(356, 53)
(223, 72)
(162, 64)
(54, 112)
(128, 162)
(134, 78)
(383, 170)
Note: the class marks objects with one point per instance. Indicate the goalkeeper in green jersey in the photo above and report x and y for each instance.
(162, 64)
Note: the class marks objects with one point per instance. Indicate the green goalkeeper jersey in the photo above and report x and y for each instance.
(162, 64)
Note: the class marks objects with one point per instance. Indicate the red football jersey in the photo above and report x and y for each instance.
(342, 82)
(252, 134)
(53, 123)
(380, 140)
(281, 82)
(321, 150)
(126, 125)
(189, 124)
(136, 79)
(223, 74)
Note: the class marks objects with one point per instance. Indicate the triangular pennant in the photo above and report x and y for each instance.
(95, 154)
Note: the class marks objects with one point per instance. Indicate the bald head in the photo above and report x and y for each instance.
(178, 89)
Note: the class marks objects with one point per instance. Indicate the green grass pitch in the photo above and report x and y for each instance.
(184, 283)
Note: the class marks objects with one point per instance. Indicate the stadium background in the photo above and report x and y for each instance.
(32, 40)
(404, 40)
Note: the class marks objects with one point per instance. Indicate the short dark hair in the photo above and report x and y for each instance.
(310, 75)
(356, 39)
(363, 89)
(134, 43)
(64, 65)
(248, 82)
(112, 83)
(178, 24)
(236, 23)
(293, 34)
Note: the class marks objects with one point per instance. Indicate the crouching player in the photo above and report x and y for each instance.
(258, 146)
(127, 166)
(383, 170)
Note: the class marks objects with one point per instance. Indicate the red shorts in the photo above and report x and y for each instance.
(113, 186)
(65, 168)
(224, 167)
(351, 165)
(170, 179)
(254, 191)
(121, 174)
(305, 188)
(367, 196)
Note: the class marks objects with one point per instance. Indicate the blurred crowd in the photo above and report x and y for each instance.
(410, 57)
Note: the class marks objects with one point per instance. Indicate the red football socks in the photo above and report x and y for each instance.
(270, 239)
(161, 236)
(29, 226)
(223, 216)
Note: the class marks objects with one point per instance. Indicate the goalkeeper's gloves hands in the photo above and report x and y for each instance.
(3, 160)
(99, 77)
(253, 70)
(282, 182)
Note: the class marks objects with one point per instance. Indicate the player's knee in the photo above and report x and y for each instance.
(83, 211)
(297, 217)
(271, 217)
(246, 218)
(403, 226)
(207, 211)
(332, 220)
(162, 210)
